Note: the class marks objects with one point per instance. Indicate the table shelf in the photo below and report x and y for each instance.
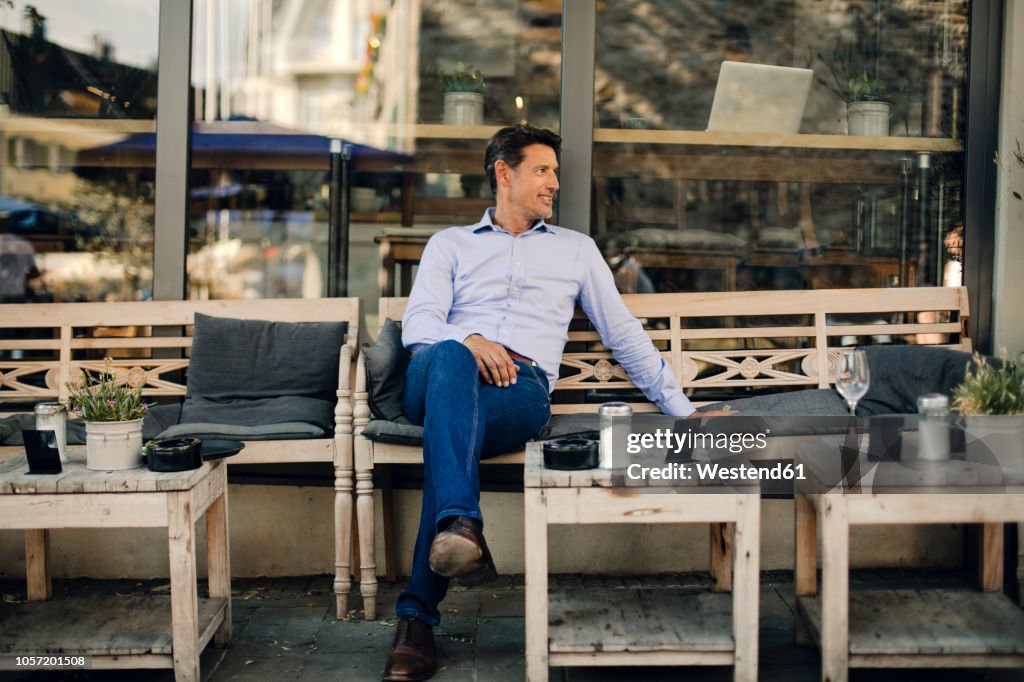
(907, 627)
(106, 627)
(696, 625)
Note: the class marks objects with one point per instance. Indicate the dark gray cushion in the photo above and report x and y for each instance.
(259, 359)
(818, 402)
(579, 425)
(386, 361)
(279, 431)
(383, 431)
(158, 418)
(259, 411)
(901, 374)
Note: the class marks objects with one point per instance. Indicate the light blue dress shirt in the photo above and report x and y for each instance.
(521, 292)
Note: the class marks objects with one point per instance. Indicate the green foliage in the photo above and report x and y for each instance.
(103, 398)
(463, 79)
(865, 89)
(991, 390)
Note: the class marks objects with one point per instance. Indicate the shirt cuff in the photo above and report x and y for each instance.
(678, 406)
(453, 333)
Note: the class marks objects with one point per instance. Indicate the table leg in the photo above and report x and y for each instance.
(835, 589)
(535, 530)
(181, 541)
(746, 587)
(37, 564)
(721, 557)
(805, 574)
(218, 559)
(991, 569)
(806, 546)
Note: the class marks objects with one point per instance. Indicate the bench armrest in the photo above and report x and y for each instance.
(343, 409)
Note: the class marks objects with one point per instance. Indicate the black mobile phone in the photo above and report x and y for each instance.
(41, 451)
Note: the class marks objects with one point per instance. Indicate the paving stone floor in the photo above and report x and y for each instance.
(285, 629)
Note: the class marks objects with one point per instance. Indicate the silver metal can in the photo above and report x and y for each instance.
(615, 421)
(53, 417)
(933, 427)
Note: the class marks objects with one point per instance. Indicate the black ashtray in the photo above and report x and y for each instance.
(174, 454)
(570, 454)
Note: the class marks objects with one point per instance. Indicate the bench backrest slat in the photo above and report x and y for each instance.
(756, 339)
(144, 338)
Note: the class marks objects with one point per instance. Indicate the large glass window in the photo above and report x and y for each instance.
(715, 169)
(414, 88)
(78, 92)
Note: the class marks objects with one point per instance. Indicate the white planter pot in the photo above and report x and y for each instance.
(464, 108)
(867, 118)
(113, 445)
(996, 436)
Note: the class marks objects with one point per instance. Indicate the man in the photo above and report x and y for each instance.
(487, 321)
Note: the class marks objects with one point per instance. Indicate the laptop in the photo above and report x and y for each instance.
(760, 98)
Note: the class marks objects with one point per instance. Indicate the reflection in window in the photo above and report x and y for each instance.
(76, 195)
(370, 73)
(863, 192)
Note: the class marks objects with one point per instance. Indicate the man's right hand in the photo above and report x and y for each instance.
(492, 359)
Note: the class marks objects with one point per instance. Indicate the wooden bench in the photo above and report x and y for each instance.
(43, 346)
(715, 342)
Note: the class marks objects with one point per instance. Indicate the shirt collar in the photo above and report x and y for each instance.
(487, 222)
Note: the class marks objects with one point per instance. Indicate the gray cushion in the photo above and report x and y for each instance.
(818, 402)
(259, 359)
(259, 411)
(157, 418)
(901, 374)
(561, 425)
(386, 361)
(279, 431)
(261, 380)
(383, 431)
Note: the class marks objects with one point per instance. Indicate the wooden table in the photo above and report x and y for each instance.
(120, 632)
(582, 627)
(903, 628)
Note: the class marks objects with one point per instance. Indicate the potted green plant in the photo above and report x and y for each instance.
(991, 399)
(463, 96)
(867, 111)
(112, 410)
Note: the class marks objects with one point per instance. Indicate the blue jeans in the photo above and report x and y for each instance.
(464, 420)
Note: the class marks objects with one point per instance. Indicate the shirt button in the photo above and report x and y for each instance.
(518, 264)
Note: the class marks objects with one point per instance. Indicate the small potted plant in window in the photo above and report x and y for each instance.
(112, 409)
(991, 399)
(463, 96)
(867, 111)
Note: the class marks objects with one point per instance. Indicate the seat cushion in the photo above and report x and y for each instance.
(818, 402)
(259, 359)
(384, 431)
(386, 361)
(278, 431)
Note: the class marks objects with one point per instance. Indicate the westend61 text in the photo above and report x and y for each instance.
(707, 471)
(667, 438)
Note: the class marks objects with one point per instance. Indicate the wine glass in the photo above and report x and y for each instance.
(852, 380)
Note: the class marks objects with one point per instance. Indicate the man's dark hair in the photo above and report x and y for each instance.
(508, 144)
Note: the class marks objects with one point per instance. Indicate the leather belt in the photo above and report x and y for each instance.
(521, 358)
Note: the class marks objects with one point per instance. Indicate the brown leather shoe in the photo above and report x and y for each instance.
(412, 654)
(460, 552)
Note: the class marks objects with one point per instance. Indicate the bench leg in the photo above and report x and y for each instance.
(721, 557)
(37, 564)
(343, 518)
(387, 502)
(367, 555)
